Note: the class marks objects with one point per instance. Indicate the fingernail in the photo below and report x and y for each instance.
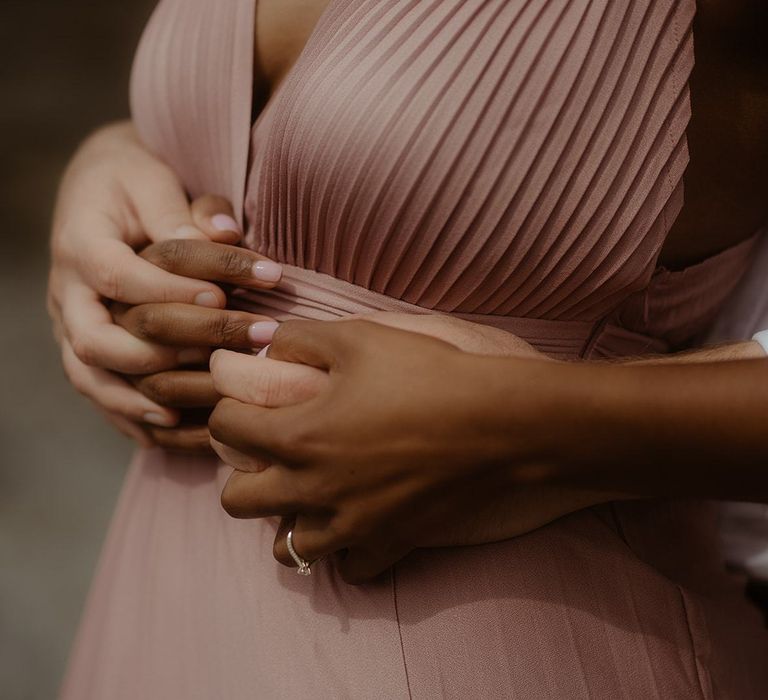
(187, 231)
(192, 356)
(261, 332)
(222, 222)
(267, 271)
(207, 299)
(159, 419)
(263, 352)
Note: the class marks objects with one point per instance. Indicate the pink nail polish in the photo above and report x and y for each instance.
(159, 419)
(267, 271)
(207, 299)
(261, 332)
(223, 222)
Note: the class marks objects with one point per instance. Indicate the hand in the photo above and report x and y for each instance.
(115, 198)
(429, 477)
(465, 335)
(193, 330)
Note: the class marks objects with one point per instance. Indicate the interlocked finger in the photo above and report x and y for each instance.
(112, 393)
(273, 491)
(179, 388)
(187, 325)
(216, 262)
(238, 460)
(185, 438)
(265, 382)
(98, 342)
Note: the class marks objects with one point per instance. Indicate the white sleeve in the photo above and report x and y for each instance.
(744, 526)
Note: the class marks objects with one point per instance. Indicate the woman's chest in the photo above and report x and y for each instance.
(490, 156)
(486, 157)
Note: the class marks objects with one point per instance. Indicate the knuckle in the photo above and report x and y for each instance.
(143, 363)
(269, 390)
(285, 443)
(170, 218)
(339, 539)
(323, 494)
(147, 320)
(305, 493)
(63, 252)
(155, 387)
(348, 527)
(233, 503)
(226, 327)
(168, 254)
(305, 442)
(233, 262)
(77, 380)
(84, 347)
(218, 423)
(285, 334)
(109, 280)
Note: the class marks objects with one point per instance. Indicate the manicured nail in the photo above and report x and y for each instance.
(192, 356)
(187, 231)
(267, 271)
(261, 332)
(207, 299)
(159, 419)
(222, 222)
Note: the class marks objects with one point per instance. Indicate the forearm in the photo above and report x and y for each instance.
(684, 428)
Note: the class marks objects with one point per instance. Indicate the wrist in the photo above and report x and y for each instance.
(568, 421)
(527, 402)
(652, 431)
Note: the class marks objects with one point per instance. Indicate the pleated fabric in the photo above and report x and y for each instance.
(458, 155)
(514, 162)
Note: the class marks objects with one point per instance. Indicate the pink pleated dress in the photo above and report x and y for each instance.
(514, 162)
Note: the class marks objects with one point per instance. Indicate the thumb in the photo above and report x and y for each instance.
(321, 344)
(215, 216)
(163, 208)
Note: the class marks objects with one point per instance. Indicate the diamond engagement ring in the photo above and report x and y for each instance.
(303, 564)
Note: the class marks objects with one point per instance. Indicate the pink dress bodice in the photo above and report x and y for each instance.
(515, 163)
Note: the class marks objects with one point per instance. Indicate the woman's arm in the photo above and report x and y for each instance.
(410, 436)
(683, 428)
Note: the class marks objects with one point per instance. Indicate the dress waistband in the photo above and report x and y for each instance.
(316, 296)
(668, 314)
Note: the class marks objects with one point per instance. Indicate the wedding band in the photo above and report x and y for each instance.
(303, 564)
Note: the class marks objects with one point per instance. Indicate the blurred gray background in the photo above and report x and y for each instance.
(64, 71)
